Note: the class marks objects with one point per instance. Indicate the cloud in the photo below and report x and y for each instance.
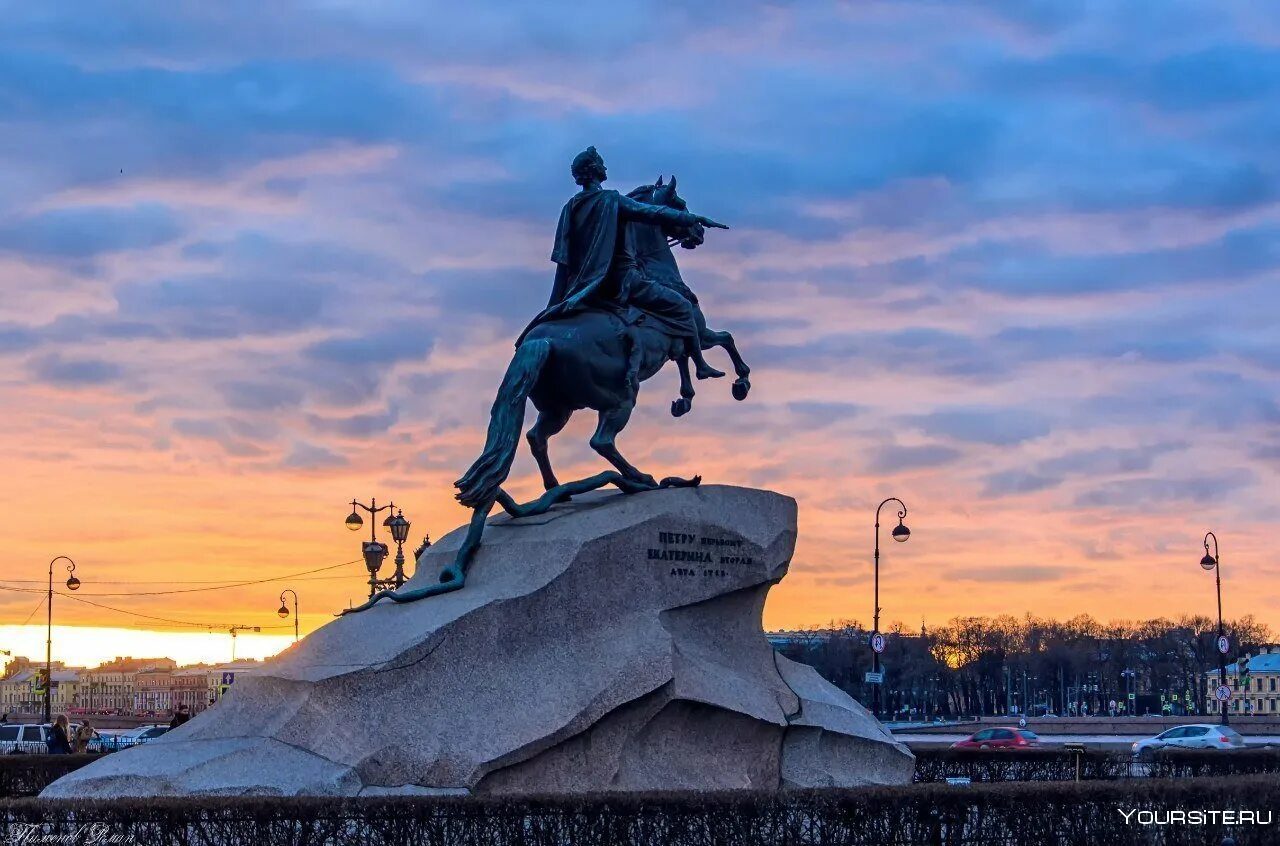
(356, 425)
(1013, 482)
(1022, 574)
(80, 233)
(819, 413)
(282, 243)
(74, 372)
(260, 396)
(895, 459)
(386, 346)
(992, 426)
(308, 456)
(216, 306)
(1135, 493)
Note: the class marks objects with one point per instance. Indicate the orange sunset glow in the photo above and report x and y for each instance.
(246, 283)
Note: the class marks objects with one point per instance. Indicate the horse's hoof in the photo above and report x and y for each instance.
(740, 388)
(681, 407)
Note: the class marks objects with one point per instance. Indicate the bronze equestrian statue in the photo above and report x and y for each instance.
(618, 312)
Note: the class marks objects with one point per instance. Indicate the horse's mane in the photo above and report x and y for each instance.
(637, 193)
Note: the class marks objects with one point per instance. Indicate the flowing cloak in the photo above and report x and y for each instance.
(585, 250)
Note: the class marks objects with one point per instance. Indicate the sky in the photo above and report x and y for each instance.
(1012, 261)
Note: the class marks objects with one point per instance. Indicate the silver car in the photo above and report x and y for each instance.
(31, 738)
(1200, 736)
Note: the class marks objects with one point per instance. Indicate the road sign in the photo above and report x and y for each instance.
(1022, 722)
(1224, 644)
(877, 643)
(1133, 696)
(228, 678)
(1223, 693)
(1113, 704)
(873, 678)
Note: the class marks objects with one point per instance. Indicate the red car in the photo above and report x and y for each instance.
(999, 738)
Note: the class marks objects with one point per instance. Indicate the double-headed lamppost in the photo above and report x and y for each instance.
(283, 610)
(72, 584)
(900, 534)
(1211, 562)
(375, 552)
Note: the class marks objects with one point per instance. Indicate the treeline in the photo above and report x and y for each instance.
(999, 665)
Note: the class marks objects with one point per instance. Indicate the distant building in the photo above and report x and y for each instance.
(21, 693)
(152, 689)
(190, 687)
(17, 693)
(801, 638)
(110, 687)
(1263, 693)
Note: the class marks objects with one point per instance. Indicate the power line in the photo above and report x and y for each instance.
(301, 576)
(73, 597)
(210, 626)
(228, 585)
(218, 583)
(39, 605)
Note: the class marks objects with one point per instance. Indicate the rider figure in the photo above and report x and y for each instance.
(595, 265)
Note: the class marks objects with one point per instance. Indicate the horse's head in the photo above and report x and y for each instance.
(664, 194)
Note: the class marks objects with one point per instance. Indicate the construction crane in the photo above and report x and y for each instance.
(232, 631)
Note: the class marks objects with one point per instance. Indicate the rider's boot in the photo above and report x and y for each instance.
(701, 369)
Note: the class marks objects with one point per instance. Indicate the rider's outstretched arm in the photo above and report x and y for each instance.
(662, 215)
(650, 213)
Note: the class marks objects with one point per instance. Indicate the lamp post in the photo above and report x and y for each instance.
(72, 584)
(900, 534)
(283, 610)
(399, 528)
(1130, 687)
(1212, 562)
(374, 551)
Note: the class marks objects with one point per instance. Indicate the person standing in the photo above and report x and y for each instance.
(180, 716)
(83, 735)
(59, 742)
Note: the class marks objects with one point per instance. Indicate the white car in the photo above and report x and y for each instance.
(1201, 736)
(32, 738)
(113, 741)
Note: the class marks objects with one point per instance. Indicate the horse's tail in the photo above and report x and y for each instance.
(479, 486)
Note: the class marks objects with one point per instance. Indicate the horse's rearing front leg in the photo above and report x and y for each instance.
(712, 338)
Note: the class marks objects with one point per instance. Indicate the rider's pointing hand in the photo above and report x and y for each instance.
(706, 221)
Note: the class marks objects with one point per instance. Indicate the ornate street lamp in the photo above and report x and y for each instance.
(399, 528)
(283, 610)
(375, 552)
(900, 533)
(1213, 562)
(72, 584)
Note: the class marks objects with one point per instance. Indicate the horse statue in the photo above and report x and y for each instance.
(593, 358)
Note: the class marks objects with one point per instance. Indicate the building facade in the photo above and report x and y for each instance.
(1261, 693)
(110, 687)
(17, 693)
(152, 690)
(190, 687)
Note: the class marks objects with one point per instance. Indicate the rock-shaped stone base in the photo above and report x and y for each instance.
(613, 643)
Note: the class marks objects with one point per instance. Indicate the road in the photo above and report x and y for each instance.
(1107, 740)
